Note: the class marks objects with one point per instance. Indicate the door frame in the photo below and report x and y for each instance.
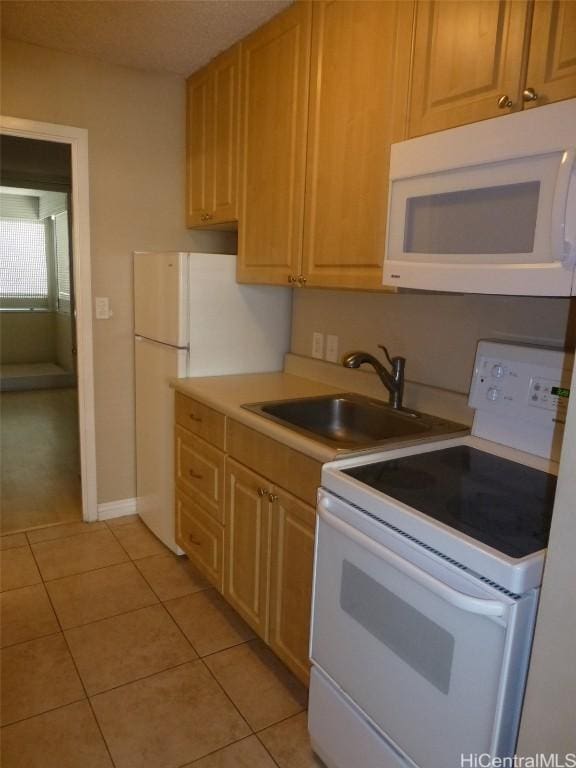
(77, 138)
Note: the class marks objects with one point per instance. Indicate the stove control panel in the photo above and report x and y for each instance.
(520, 394)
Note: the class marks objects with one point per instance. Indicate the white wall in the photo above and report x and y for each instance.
(135, 123)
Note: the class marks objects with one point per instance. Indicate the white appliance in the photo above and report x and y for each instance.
(191, 318)
(428, 565)
(486, 208)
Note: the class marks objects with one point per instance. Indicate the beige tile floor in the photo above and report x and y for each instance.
(40, 469)
(116, 653)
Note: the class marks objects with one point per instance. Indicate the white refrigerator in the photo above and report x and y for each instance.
(191, 318)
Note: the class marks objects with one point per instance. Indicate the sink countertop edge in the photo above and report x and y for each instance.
(228, 393)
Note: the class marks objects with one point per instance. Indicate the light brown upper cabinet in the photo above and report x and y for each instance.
(552, 62)
(212, 147)
(477, 59)
(274, 87)
(360, 69)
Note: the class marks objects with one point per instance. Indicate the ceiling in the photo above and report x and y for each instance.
(168, 36)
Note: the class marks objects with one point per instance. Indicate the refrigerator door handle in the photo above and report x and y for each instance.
(158, 343)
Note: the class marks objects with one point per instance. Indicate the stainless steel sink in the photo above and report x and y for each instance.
(353, 422)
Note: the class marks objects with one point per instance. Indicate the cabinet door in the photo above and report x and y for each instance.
(552, 61)
(247, 545)
(224, 171)
(199, 148)
(466, 56)
(359, 87)
(293, 525)
(274, 101)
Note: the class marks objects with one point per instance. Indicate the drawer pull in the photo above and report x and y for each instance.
(194, 418)
(194, 541)
(195, 475)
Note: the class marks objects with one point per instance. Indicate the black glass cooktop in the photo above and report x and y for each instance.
(505, 505)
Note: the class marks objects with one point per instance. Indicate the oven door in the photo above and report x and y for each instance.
(433, 657)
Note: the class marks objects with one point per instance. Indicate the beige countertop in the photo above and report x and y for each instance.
(228, 393)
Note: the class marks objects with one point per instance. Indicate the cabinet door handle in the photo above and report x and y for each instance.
(262, 492)
(301, 279)
(194, 418)
(195, 475)
(292, 279)
(505, 102)
(529, 94)
(272, 497)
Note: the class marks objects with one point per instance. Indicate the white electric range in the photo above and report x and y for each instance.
(428, 565)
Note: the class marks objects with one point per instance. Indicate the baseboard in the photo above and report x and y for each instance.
(119, 508)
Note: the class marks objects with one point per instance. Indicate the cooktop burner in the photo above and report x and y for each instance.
(501, 503)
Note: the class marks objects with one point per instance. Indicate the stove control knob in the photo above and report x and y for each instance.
(498, 371)
(492, 394)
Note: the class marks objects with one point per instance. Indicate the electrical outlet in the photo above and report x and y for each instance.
(332, 348)
(318, 345)
(102, 306)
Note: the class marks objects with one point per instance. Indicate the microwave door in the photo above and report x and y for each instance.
(497, 228)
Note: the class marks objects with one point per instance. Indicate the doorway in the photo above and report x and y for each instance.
(46, 388)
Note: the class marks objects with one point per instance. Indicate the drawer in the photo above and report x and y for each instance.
(201, 537)
(200, 419)
(200, 472)
(284, 466)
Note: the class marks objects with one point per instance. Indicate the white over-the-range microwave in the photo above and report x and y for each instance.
(487, 208)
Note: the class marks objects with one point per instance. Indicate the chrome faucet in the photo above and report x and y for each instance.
(394, 382)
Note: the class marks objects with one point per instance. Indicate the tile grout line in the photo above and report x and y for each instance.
(73, 660)
(40, 714)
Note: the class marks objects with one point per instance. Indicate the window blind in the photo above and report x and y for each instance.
(62, 261)
(24, 281)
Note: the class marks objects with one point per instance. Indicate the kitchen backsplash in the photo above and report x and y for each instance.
(437, 333)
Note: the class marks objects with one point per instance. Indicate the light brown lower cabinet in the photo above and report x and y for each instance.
(292, 559)
(269, 552)
(201, 537)
(247, 545)
(251, 538)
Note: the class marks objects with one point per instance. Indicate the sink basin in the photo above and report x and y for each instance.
(350, 421)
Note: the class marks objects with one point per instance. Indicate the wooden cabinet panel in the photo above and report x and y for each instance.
(247, 545)
(466, 55)
(225, 125)
(199, 147)
(292, 560)
(201, 537)
(282, 465)
(552, 61)
(212, 141)
(200, 419)
(274, 100)
(200, 472)
(358, 98)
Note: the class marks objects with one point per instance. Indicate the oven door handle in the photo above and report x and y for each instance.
(448, 594)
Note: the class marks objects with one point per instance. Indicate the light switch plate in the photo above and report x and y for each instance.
(102, 307)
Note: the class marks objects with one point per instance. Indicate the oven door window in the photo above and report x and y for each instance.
(425, 670)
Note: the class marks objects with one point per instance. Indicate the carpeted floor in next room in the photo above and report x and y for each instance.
(40, 459)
